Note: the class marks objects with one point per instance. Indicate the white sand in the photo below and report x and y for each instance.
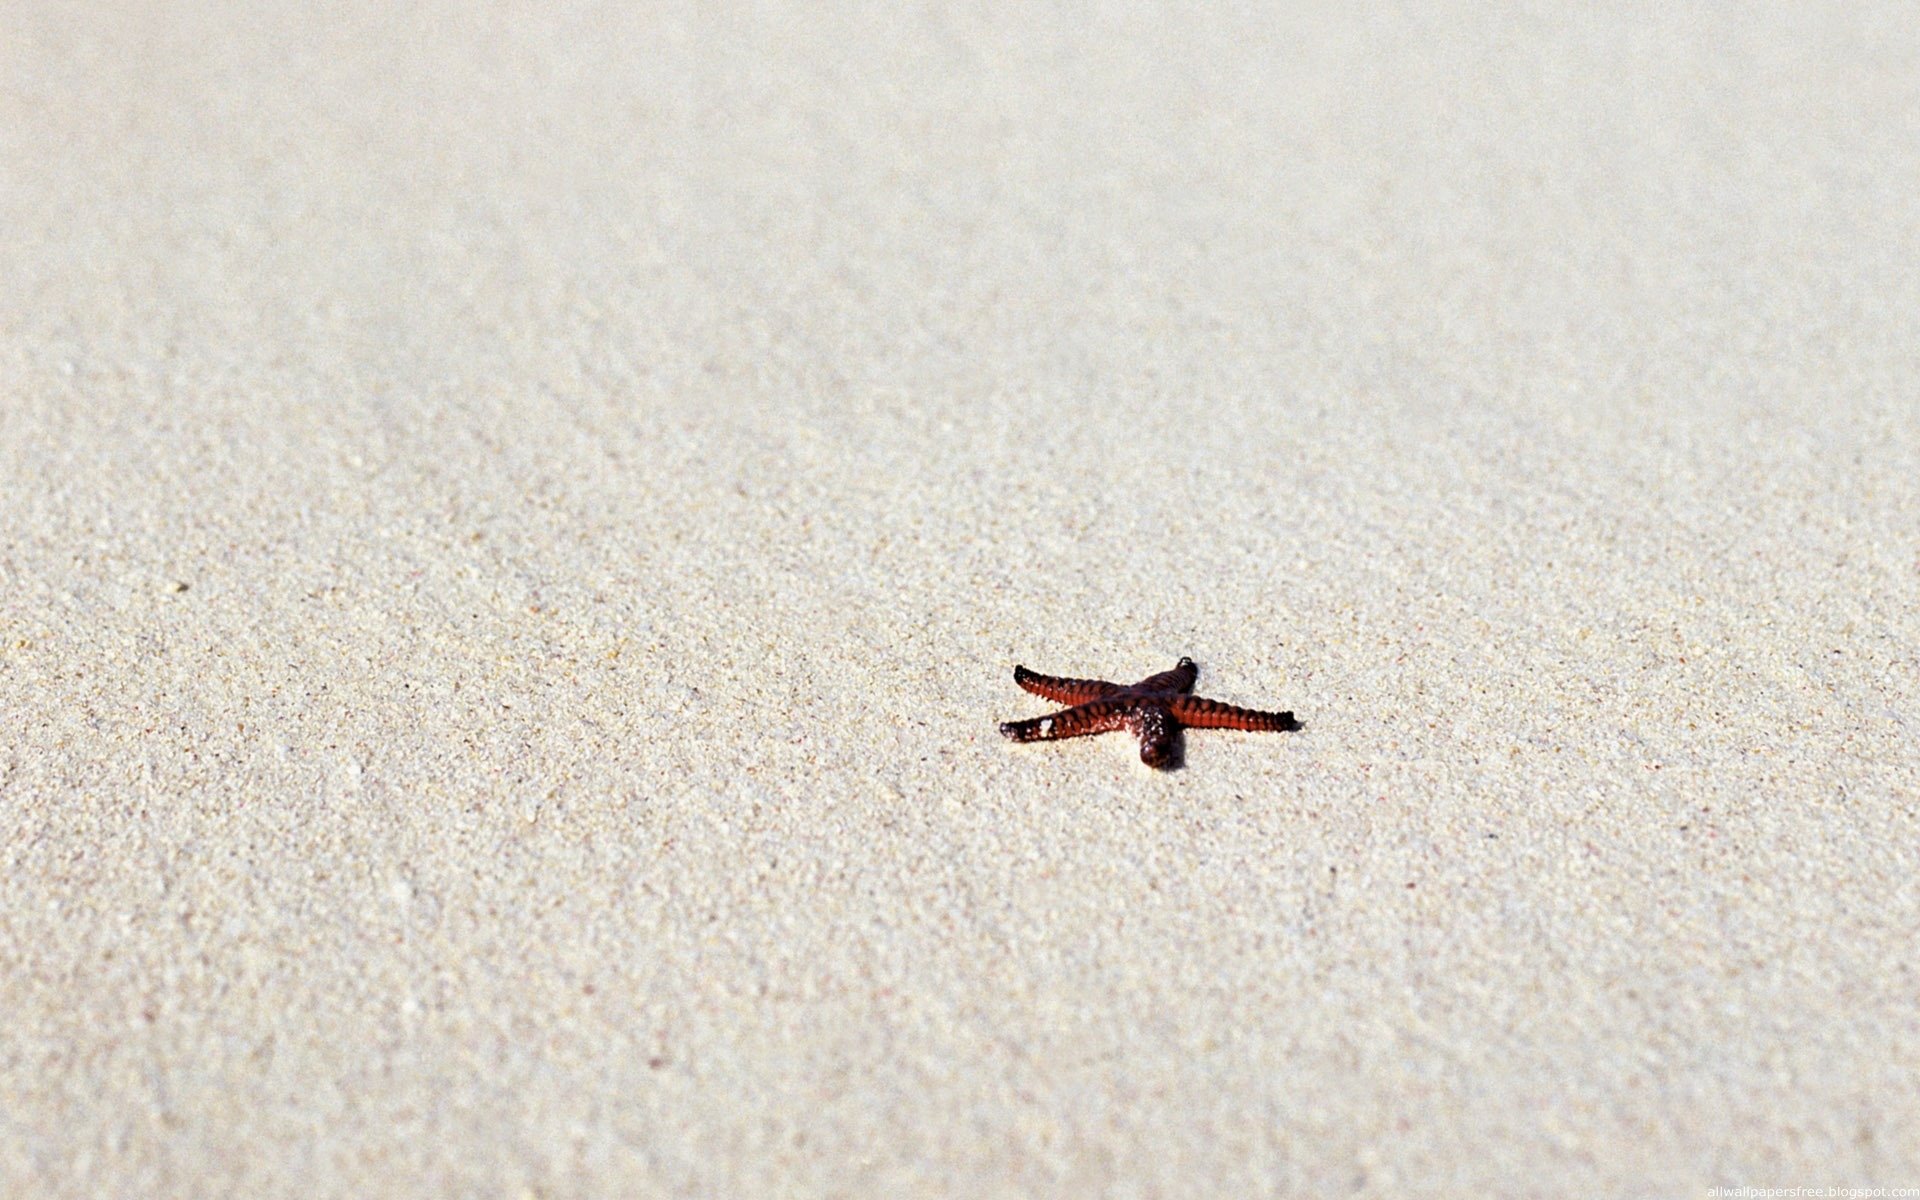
(515, 532)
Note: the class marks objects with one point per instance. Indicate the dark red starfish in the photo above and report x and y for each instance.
(1153, 710)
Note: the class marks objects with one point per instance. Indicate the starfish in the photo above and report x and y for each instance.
(1153, 710)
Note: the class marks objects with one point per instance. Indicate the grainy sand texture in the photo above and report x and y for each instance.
(516, 523)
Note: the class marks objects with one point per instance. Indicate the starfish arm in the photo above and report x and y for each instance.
(1158, 733)
(1198, 713)
(1063, 691)
(1180, 679)
(1095, 717)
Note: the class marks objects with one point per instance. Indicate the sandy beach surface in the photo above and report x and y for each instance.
(517, 521)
